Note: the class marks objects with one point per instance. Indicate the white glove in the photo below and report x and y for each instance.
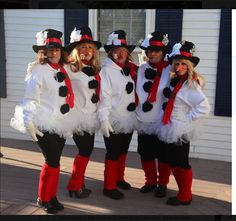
(106, 128)
(32, 130)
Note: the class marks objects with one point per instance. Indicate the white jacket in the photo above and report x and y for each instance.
(149, 121)
(190, 108)
(84, 116)
(114, 98)
(42, 103)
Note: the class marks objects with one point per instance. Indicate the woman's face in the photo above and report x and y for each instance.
(86, 51)
(154, 56)
(54, 55)
(120, 55)
(181, 67)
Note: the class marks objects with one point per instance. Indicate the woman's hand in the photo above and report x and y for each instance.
(106, 128)
(32, 130)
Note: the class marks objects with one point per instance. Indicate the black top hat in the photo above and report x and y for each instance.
(117, 39)
(156, 41)
(40, 41)
(79, 36)
(185, 51)
(53, 39)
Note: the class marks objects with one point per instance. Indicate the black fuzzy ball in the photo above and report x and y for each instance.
(94, 98)
(147, 86)
(167, 92)
(131, 107)
(93, 84)
(147, 106)
(150, 73)
(164, 106)
(88, 71)
(126, 70)
(63, 90)
(174, 81)
(65, 108)
(60, 77)
(129, 87)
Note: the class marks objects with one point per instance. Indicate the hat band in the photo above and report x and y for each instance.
(55, 40)
(186, 54)
(86, 37)
(122, 41)
(156, 43)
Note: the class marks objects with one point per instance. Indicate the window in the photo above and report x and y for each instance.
(130, 20)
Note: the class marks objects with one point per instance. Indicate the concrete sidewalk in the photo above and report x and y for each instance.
(22, 162)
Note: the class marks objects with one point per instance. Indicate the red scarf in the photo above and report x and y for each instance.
(152, 95)
(170, 103)
(98, 78)
(70, 94)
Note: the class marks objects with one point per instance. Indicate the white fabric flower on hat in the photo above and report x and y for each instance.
(113, 39)
(75, 36)
(165, 40)
(146, 43)
(41, 38)
(175, 50)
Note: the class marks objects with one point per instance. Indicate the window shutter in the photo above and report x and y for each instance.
(224, 78)
(3, 82)
(170, 21)
(74, 18)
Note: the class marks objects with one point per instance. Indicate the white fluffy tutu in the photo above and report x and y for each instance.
(178, 131)
(123, 124)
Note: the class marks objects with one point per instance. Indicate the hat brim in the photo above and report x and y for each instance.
(71, 46)
(165, 49)
(129, 47)
(193, 59)
(36, 48)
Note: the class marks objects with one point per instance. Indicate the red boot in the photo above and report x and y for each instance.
(121, 172)
(183, 178)
(56, 204)
(164, 174)
(150, 171)
(45, 188)
(76, 185)
(110, 177)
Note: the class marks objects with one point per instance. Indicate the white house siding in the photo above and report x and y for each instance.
(199, 26)
(202, 27)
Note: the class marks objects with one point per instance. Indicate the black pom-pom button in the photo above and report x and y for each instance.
(65, 108)
(60, 77)
(93, 84)
(126, 70)
(150, 73)
(131, 107)
(94, 98)
(129, 87)
(164, 106)
(147, 106)
(174, 81)
(88, 71)
(63, 90)
(147, 86)
(167, 92)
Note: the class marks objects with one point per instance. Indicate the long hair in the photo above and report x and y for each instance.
(194, 79)
(77, 64)
(129, 58)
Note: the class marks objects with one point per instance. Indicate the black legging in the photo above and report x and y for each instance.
(116, 145)
(84, 143)
(51, 146)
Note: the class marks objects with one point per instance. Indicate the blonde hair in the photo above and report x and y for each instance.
(129, 58)
(77, 63)
(194, 79)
